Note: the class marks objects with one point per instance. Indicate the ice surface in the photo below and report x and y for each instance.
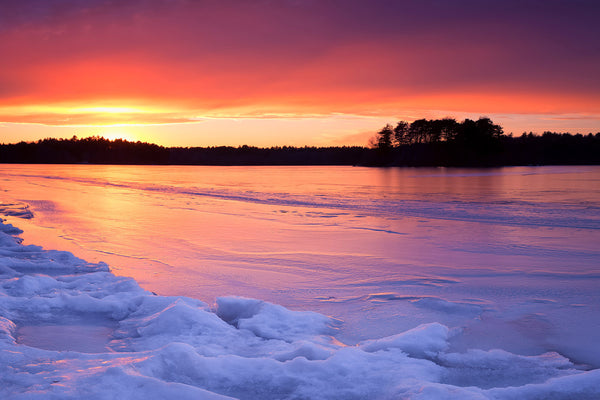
(17, 209)
(71, 329)
(442, 283)
(83, 338)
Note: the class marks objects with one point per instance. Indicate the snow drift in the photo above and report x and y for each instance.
(71, 329)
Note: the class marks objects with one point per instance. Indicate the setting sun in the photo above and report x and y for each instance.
(118, 134)
(107, 110)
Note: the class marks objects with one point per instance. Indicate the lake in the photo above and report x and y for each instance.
(509, 256)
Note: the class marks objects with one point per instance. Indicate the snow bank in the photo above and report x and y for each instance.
(155, 347)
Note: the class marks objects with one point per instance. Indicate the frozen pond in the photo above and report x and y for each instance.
(505, 258)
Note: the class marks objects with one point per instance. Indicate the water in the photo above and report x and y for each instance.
(508, 255)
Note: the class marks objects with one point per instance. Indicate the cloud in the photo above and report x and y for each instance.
(85, 119)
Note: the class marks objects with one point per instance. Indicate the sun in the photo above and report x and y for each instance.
(118, 134)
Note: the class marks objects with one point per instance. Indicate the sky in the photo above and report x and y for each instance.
(292, 72)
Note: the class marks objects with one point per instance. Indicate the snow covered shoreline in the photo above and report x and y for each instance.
(71, 329)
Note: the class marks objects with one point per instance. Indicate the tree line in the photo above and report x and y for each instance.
(434, 131)
(443, 142)
(99, 150)
(481, 143)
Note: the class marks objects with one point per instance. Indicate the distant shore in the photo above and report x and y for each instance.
(527, 149)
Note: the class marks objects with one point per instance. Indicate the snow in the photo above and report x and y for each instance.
(70, 329)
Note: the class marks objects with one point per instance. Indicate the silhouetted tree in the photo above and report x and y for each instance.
(446, 129)
(419, 131)
(401, 134)
(384, 137)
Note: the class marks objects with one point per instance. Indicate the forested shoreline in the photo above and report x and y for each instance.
(422, 143)
(481, 143)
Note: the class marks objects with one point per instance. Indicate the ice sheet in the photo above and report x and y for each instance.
(300, 282)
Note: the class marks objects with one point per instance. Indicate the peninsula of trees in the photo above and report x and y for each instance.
(442, 142)
(447, 142)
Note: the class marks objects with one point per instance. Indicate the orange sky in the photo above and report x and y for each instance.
(306, 72)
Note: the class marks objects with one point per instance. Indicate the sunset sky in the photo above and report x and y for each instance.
(292, 72)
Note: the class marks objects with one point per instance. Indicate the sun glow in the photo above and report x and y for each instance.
(107, 110)
(118, 134)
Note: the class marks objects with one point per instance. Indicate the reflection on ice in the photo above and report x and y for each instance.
(80, 338)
